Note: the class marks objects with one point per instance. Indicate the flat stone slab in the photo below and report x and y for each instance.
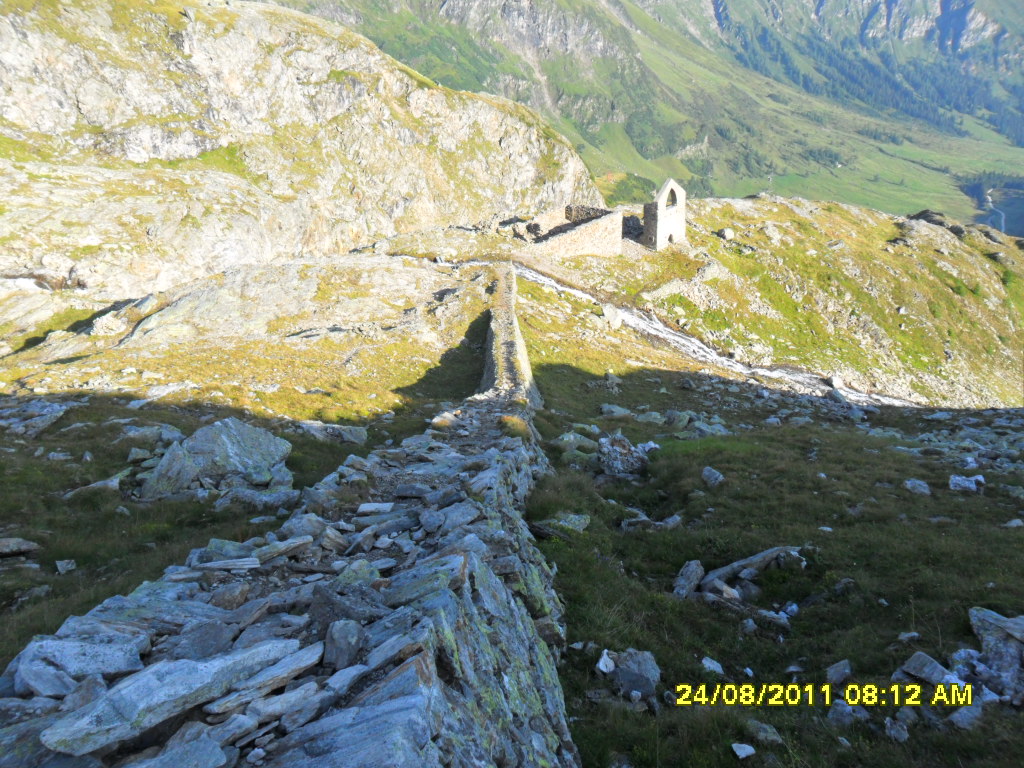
(274, 676)
(16, 546)
(156, 694)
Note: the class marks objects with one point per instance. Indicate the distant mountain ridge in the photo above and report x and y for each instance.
(888, 104)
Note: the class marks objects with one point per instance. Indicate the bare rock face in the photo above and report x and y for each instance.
(264, 132)
(230, 453)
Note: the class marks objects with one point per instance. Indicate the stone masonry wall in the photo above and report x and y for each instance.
(420, 629)
(601, 236)
(577, 214)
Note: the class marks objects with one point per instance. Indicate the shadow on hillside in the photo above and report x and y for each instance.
(117, 541)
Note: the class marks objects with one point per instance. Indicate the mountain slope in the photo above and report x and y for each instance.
(142, 146)
(729, 96)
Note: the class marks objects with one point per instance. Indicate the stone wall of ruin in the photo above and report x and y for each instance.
(419, 629)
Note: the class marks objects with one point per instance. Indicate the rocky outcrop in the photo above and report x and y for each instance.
(229, 454)
(419, 629)
(169, 145)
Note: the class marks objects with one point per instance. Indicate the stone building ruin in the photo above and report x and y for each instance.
(574, 230)
(665, 218)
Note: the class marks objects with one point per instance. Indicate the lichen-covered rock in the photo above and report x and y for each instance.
(154, 695)
(228, 452)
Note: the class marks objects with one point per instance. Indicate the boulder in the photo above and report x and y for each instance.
(636, 671)
(15, 546)
(920, 487)
(712, 477)
(229, 453)
(618, 456)
(973, 484)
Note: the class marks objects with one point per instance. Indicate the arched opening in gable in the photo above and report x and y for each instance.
(672, 199)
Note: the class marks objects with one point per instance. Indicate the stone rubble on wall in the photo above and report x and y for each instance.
(419, 629)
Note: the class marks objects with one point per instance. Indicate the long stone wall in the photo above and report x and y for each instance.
(421, 629)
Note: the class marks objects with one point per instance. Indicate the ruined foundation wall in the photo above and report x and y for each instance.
(421, 629)
(601, 237)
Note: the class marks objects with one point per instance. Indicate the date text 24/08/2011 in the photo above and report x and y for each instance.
(810, 694)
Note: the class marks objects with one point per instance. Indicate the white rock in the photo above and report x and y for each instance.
(712, 666)
(743, 751)
(968, 484)
(605, 663)
(919, 487)
(712, 477)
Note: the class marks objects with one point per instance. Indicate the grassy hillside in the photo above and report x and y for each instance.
(880, 560)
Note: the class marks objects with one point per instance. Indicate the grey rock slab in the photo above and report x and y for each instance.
(173, 474)
(614, 411)
(458, 515)
(758, 562)
(924, 667)
(306, 710)
(236, 564)
(688, 578)
(636, 671)
(283, 548)
(200, 752)
(15, 710)
(20, 746)
(273, 676)
(838, 673)
(232, 729)
(743, 751)
(334, 540)
(343, 642)
(896, 730)
(973, 484)
(335, 432)
(967, 718)
(306, 524)
(394, 734)
(273, 707)
(111, 655)
(919, 487)
(843, 715)
(259, 500)
(712, 666)
(15, 546)
(712, 477)
(1001, 648)
(156, 694)
(431, 519)
(375, 508)
(341, 682)
(230, 596)
(411, 491)
(202, 640)
(38, 677)
(762, 732)
(231, 446)
(395, 649)
(984, 621)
